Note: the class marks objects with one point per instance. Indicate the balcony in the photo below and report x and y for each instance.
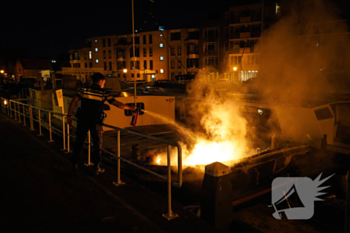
(192, 53)
(244, 50)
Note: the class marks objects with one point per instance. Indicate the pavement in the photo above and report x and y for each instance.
(40, 194)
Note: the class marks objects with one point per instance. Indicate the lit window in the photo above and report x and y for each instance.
(161, 71)
(53, 61)
(161, 45)
(161, 58)
(96, 61)
(90, 55)
(96, 49)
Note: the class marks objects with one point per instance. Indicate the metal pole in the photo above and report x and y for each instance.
(64, 133)
(133, 48)
(14, 107)
(50, 127)
(118, 182)
(68, 140)
(24, 116)
(40, 133)
(89, 147)
(170, 215)
(169, 181)
(31, 118)
(89, 150)
(19, 113)
(10, 108)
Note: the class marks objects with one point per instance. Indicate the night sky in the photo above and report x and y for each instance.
(47, 29)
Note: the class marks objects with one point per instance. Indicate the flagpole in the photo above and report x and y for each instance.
(133, 48)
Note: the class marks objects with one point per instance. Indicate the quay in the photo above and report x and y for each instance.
(40, 194)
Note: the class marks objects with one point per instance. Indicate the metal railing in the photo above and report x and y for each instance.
(14, 108)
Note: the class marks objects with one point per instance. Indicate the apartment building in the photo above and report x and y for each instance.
(182, 46)
(82, 63)
(149, 60)
(158, 55)
(228, 45)
(244, 31)
(211, 44)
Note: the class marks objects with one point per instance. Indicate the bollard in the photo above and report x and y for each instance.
(136, 152)
(217, 196)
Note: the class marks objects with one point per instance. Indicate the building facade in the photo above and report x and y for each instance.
(158, 55)
(228, 45)
(26, 68)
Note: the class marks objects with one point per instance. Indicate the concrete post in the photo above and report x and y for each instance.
(217, 196)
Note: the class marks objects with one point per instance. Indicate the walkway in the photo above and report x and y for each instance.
(39, 194)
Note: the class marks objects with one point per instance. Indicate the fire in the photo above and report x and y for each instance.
(224, 139)
(206, 152)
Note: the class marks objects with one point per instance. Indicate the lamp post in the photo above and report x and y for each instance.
(133, 48)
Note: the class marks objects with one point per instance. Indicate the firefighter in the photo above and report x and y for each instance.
(90, 117)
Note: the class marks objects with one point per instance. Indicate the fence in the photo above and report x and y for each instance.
(21, 111)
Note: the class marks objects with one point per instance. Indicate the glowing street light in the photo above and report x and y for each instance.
(2, 71)
(125, 70)
(235, 68)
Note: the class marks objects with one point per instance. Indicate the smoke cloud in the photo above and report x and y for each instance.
(297, 65)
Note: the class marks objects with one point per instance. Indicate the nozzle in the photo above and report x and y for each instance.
(139, 110)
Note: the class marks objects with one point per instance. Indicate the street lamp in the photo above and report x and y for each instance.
(235, 68)
(125, 70)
